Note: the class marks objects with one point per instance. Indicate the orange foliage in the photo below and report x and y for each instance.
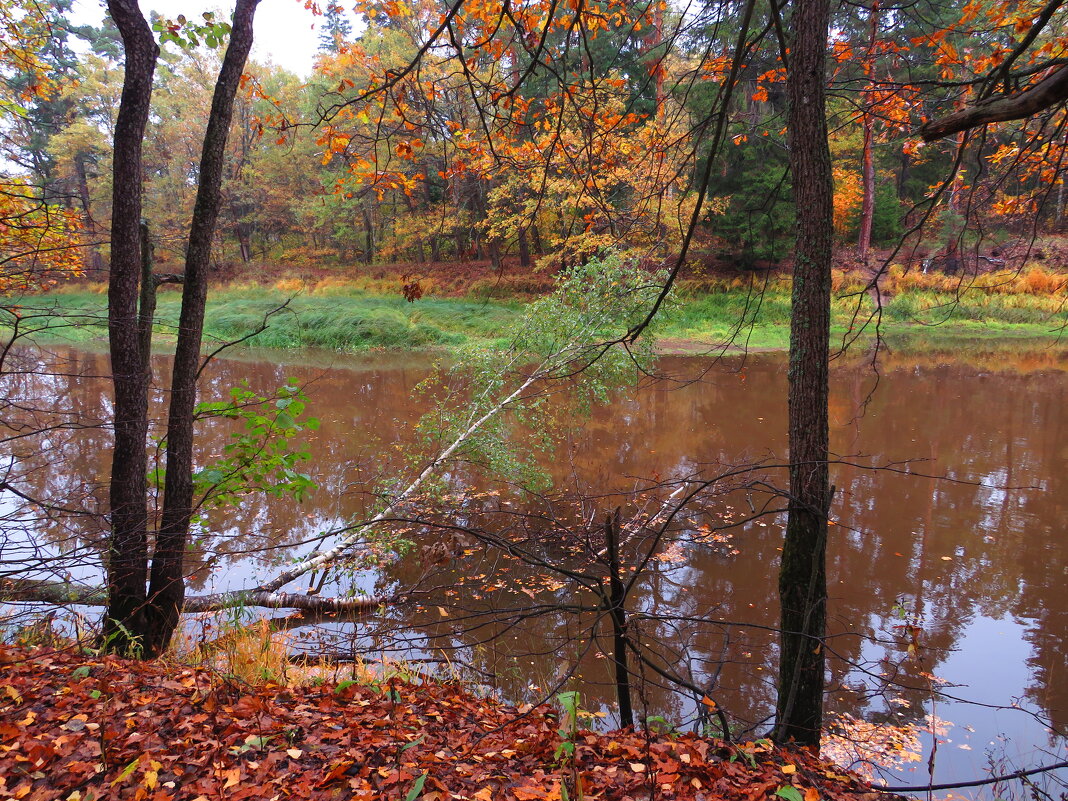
(848, 194)
(39, 244)
(1032, 281)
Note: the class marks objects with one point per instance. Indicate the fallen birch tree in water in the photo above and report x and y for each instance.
(571, 337)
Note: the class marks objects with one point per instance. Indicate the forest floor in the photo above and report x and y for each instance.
(77, 727)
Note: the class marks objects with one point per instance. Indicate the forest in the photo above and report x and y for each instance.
(602, 136)
(551, 196)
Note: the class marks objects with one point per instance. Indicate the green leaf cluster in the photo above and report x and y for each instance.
(262, 454)
(188, 34)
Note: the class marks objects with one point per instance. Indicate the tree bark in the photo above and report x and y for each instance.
(128, 542)
(167, 584)
(802, 576)
(146, 311)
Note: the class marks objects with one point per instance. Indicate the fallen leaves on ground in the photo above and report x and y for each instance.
(76, 727)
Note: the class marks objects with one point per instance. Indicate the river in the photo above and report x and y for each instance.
(950, 511)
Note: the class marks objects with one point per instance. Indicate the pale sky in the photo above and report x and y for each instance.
(285, 32)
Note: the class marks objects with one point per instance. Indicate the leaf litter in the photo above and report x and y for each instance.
(76, 727)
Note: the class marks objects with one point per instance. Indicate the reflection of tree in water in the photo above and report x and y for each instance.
(949, 552)
(50, 511)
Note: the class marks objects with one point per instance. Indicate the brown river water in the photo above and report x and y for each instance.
(958, 546)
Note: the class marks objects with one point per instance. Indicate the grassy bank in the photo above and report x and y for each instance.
(350, 319)
(350, 322)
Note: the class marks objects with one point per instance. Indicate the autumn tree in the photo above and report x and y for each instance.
(39, 231)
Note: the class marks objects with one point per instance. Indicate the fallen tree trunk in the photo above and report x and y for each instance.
(61, 593)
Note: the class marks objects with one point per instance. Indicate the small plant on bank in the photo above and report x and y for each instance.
(571, 706)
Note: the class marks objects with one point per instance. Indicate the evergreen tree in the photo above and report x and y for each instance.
(335, 31)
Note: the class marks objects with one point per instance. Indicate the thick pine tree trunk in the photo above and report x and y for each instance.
(167, 589)
(802, 577)
(127, 562)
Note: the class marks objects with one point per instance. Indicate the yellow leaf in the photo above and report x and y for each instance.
(812, 794)
(788, 769)
(232, 777)
(152, 774)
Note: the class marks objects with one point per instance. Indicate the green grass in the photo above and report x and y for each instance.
(340, 323)
(355, 322)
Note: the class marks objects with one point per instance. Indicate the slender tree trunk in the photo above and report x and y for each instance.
(867, 209)
(244, 238)
(167, 589)
(524, 249)
(535, 235)
(1058, 217)
(902, 175)
(802, 577)
(128, 541)
(617, 600)
(420, 249)
(867, 206)
(369, 236)
(93, 260)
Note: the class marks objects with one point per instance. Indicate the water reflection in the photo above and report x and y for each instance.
(950, 505)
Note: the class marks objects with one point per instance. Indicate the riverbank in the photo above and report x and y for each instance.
(916, 313)
(89, 727)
